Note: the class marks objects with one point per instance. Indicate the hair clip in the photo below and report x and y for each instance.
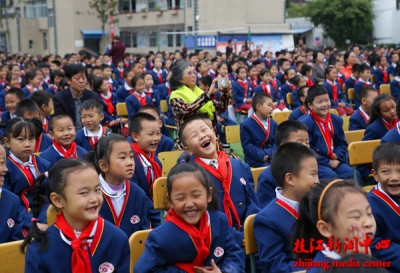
(182, 161)
(35, 220)
(46, 174)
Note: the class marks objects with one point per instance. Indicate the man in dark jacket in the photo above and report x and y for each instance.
(117, 51)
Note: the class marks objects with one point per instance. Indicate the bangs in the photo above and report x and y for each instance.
(23, 127)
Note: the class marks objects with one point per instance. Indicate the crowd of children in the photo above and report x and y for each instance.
(65, 145)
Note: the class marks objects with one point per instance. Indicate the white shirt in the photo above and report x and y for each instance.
(117, 197)
(263, 121)
(29, 163)
(293, 204)
(146, 164)
(379, 188)
(127, 87)
(140, 95)
(210, 162)
(365, 114)
(330, 254)
(78, 233)
(89, 133)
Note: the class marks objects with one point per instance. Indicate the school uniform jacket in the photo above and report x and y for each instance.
(122, 93)
(319, 258)
(170, 115)
(161, 94)
(297, 113)
(43, 142)
(317, 141)
(340, 98)
(272, 229)
(357, 121)
(239, 94)
(391, 136)
(266, 187)
(140, 176)
(376, 130)
(86, 142)
(156, 79)
(350, 82)
(2, 100)
(165, 145)
(378, 74)
(111, 247)
(395, 89)
(10, 217)
(273, 95)
(391, 70)
(357, 87)
(285, 88)
(51, 155)
(16, 181)
(120, 80)
(168, 245)
(133, 105)
(52, 90)
(257, 142)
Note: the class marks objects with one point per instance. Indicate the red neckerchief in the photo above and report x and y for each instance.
(80, 260)
(268, 62)
(169, 90)
(153, 163)
(303, 110)
(310, 82)
(69, 153)
(385, 74)
(127, 65)
(141, 99)
(121, 72)
(93, 140)
(390, 125)
(30, 89)
(151, 65)
(253, 82)
(389, 201)
(55, 88)
(334, 91)
(224, 175)
(38, 143)
(110, 87)
(363, 115)
(274, 84)
(340, 79)
(288, 208)
(265, 88)
(8, 88)
(292, 87)
(109, 104)
(245, 86)
(326, 131)
(254, 116)
(201, 238)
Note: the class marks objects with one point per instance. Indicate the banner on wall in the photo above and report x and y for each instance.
(237, 46)
(271, 43)
(203, 41)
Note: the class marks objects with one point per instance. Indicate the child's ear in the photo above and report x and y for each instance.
(135, 137)
(102, 165)
(6, 142)
(210, 194)
(289, 179)
(324, 229)
(169, 200)
(51, 134)
(375, 174)
(56, 200)
(101, 116)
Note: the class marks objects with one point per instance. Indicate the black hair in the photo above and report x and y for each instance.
(15, 126)
(9, 77)
(221, 64)
(240, 68)
(328, 70)
(185, 167)
(206, 80)
(363, 92)
(56, 62)
(282, 61)
(135, 123)
(97, 83)
(305, 226)
(293, 164)
(305, 68)
(56, 182)
(287, 127)
(92, 104)
(56, 117)
(388, 153)
(346, 56)
(26, 106)
(55, 74)
(315, 54)
(41, 97)
(135, 64)
(301, 93)
(135, 79)
(150, 107)
(63, 84)
(314, 91)
(30, 76)
(104, 67)
(355, 68)
(190, 119)
(364, 67)
(296, 80)
(96, 68)
(17, 92)
(287, 75)
(375, 108)
(259, 98)
(74, 69)
(263, 72)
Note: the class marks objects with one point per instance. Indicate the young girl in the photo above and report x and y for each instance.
(32, 82)
(126, 203)
(298, 81)
(16, 70)
(288, 87)
(331, 215)
(253, 76)
(336, 93)
(148, 86)
(138, 98)
(24, 167)
(80, 240)
(222, 70)
(43, 85)
(276, 84)
(167, 66)
(11, 82)
(202, 69)
(242, 91)
(380, 74)
(195, 237)
(100, 86)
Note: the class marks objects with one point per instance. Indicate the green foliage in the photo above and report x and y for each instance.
(295, 11)
(101, 9)
(5, 15)
(343, 19)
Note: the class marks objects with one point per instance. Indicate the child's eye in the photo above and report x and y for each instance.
(98, 190)
(83, 193)
(122, 157)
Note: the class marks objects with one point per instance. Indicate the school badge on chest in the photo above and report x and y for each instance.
(106, 268)
(243, 181)
(218, 252)
(135, 219)
(10, 223)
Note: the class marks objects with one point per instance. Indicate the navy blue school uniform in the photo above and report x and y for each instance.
(5, 116)
(280, 75)
(57, 257)
(386, 212)
(257, 141)
(112, 85)
(122, 93)
(272, 226)
(318, 144)
(266, 187)
(274, 93)
(43, 142)
(3, 93)
(166, 144)
(267, 62)
(391, 136)
(391, 69)
(357, 87)
(161, 94)
(340, 98)
(52, 90)
(168, 245)
(232, 77)
(376, 130)
(212, 74)
(10, 217)
(239, 94)
(379, 77)
(350, 82)
(119, 76)
(27, 93)
(288, 88)
(358, 121)
(156, 78)
(133, 105)
(51, 155)
(170, 115)
(149, 65)
(140, 177)
(395, 88)
(320, 259)
(17, 182)
(297, 113)
(85, 142)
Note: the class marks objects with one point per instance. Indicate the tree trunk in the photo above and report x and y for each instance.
(9, 48)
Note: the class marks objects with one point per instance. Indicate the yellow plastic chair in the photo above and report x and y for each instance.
(136, 245)
(368, 188)
(122, 111)
(256, 173)
(168, 160)
(334, 111)
(51, 215)
(385, 89)
(12, 260)
(232, 133)
(289, 99)
(346, 122)
(360, 152)
(351, 95)
(391, 77)
(280, 117)
(353, 136)
(160, 196)
(250, 242)
(344, 87)
(372, 79)
(164, 106)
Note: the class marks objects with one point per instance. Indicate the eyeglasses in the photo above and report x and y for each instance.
(191, 73)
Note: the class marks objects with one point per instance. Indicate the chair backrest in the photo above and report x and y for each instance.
(353, 136)
(51, 215)
(121, 109)
(280, 117)
(289, 98)
(351, 94)
(372, 78)
(160, 194)
(256, 173)
(232, 133)
(334, 111)
(344, 87)
(346, 122)
(368, 188)
(163, 106)
(168, 160)
(385, 89)
(250, 242)
(12, 260)
(136, 244)
(360, 152)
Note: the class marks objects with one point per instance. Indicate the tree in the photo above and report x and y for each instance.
(295, 11)
(7, 11)
(343, 19)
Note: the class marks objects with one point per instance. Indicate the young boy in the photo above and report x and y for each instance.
(353, 79)
(231, 178)
(287, 131)
(159, 76)
(138, 98)
(394, 57)
(283, 64)
(96, 70)
(119, 73)
(11, 98)
(106, 73)
(326, 136)
(385, 205)
(360, 118)
(303, 109)
(306, 71)
(137, 68)
(92, 116)
(126, 89)
(213, 69)
(257, 133)
(273, 224)
(365, 76)
(55, 77)
(62, 131)
(145, 132)
(393, 135)
(45, 102)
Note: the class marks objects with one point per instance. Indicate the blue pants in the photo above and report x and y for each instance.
(342, 171)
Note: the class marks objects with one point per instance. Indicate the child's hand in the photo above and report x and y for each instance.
(266, 157)
(40, 87)
(282, 101)
(211, 91)
(342, 104)
(356, 235)
(213, 269)
(274, 104)
(334, 163)
(42, 227)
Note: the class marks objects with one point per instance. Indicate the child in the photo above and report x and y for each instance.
(138, 98)
(126, 89)
(340, 77)
(55, 77)
(137, 68)
(253, 76)
(283, 64)
(331, 215)
(360, 118)
(148, 83)
(365, 75)
(11, 229)
(45, 102)
(213, 69)
(298, 82)
(119, 72)
(12, 82)
(287, 131)
(391, 70)
(257, 133)
(288, 86)
(272, 225)
(393, 134)
(303, 109)
(231, 178)
(24, 167)
(159, 76)
(202, 69)
(145, 132)
(326, 135)
(276, 84)
(195, 236)
(306, 71)
(32, 82)
(380, 74)
(242, 91)
(92, 131)
(80, 240)
(108, 99)
(395, 85)
(353, 79)
(335, 92)
(62, 131)
(11, 98)
(106, 74)
(163, 90)
(126, 203)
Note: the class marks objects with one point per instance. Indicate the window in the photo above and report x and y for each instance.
(153, 38)
(152, 5)
(398, 4)
(190, 29)
(129, 38)
(189, 3)
(127, 5)
(174, 4)
(50, 18)
(170, 38)
(44, 40)
(178, 38)
(36, 9)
